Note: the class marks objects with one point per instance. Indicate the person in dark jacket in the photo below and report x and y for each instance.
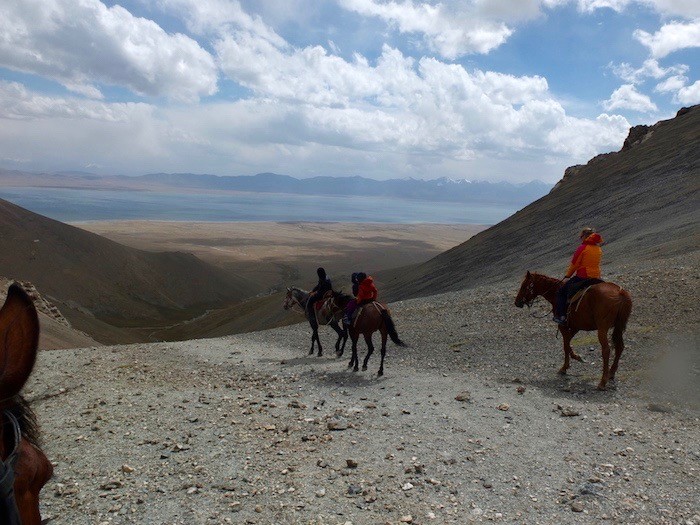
(350, 307)
(324, 284)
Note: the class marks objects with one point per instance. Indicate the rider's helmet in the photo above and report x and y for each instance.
(361, 277)
(354, 279)
(321, 274)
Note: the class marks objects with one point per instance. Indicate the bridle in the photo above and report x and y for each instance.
(8, 504)
(295, 303)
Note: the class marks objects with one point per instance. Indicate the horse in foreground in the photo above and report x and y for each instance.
(602, 306)
(370, 318)
(24, 469)
(297, 299)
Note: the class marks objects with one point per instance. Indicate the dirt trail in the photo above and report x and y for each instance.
(247, 429)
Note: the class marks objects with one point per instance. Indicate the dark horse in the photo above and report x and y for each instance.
(297, 299)
(372, 317)
(24, 469)
(603, 306)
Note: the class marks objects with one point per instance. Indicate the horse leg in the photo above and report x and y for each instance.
(605, 347)
(353, 358)
(619, 347)
(573, 354)
(370, 349)
(341, 335)
(381, 365)
(566, 336)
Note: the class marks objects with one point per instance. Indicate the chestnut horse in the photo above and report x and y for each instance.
(373, 317)
(297, 299)
(24, 469)
(603, 306)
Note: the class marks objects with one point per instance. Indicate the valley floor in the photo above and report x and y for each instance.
(249, 429)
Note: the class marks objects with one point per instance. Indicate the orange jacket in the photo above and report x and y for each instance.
(586, 260)
(367, 290)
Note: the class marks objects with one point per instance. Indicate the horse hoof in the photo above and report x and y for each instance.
(355, 369)
(364, 368)
(320, 354)
(562, 371)
(312, 352)
(339, 354)
(577, 357)
(601, 386)
(380, 373)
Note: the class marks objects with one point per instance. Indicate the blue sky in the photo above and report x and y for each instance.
(478, 89)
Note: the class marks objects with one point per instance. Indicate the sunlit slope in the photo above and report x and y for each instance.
(643, 199)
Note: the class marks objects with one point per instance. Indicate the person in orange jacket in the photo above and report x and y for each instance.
(366, 293)
(585, 264)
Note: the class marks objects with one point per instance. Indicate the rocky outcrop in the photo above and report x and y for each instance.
(636, 135)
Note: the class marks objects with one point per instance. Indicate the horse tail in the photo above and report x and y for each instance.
(623, 314)
(391, 328)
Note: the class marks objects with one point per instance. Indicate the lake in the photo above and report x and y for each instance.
(74, 205)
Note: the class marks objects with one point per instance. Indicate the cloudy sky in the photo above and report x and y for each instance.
(478, 89)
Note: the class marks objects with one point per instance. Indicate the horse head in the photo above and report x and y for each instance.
(526, 294)
(24, 469)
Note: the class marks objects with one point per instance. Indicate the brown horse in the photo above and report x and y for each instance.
(24, 469)
(603, 306)
(372, 317)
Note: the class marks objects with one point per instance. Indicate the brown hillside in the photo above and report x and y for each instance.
(99, 283)
(643, 199)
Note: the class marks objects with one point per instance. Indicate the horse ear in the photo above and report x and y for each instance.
(528, 274)
(19, 340)
(289, 289)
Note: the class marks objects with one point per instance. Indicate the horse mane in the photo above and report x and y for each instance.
(343, 296)
(26, 418)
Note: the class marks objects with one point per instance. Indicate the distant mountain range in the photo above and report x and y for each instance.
(440, 190)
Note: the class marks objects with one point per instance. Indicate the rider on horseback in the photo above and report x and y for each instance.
(366, 293)
(352, 304)
(324, 284)
(585, 264)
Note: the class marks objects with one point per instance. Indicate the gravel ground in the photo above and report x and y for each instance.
(469, 424)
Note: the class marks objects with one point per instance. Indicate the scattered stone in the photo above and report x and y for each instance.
(577, 506)
(127, 469)
(337, 423)
(111, 485)
(407, 486)
(464, 396)
(406, 519)
(320, 493)
(351, 463)
(504, 407)
(568, 411)
(521, 390)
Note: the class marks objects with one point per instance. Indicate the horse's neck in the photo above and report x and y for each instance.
(547, 287)
(301, 296)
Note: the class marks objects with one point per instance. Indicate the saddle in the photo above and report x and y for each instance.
(358, 311)
(578, 290)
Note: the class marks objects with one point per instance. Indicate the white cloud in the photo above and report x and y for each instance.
(689, 94)
(627, 97)
(671, 37)
(650, 69)
(82, 43)
(671, 84)
(16, 102)
(452, 29)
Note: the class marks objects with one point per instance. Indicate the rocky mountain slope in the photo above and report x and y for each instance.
(103, 287)
(644, 199)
